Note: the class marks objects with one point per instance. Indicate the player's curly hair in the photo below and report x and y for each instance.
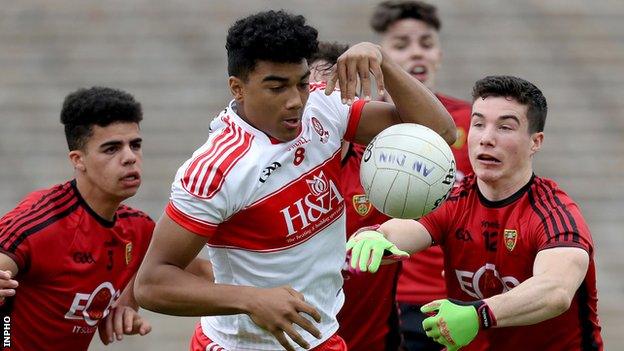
(274, 36)
(99, 106)
(525, 92)
(388, 12)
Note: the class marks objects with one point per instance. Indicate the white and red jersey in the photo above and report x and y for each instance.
(272, 212)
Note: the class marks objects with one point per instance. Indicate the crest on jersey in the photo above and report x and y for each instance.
(361, 204)
(128, 253)
(511, 237)
(318, 128)
(318, 184)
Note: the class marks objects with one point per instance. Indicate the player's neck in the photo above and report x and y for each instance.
(504, 188)
(102, 204)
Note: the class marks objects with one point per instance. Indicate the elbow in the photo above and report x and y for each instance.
(559, 301)
(450, 134)
(142, 293)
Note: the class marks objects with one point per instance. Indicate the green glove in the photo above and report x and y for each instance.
(456, 323)
(369, 247)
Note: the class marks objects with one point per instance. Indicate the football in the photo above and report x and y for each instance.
(407, 171)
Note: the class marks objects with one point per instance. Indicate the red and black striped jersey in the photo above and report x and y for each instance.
(368, 319)
(490, 247)
(72, 265)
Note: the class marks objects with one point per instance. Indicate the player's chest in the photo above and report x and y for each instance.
(490, 255)
(82, 258)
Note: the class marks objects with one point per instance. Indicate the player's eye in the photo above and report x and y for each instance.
(110, 150)
(135, 145)
(278, 89)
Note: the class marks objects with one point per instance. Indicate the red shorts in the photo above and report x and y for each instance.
(200, 342)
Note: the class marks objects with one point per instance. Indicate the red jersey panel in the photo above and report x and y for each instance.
(72, 264)
(421, 278)
(368, 319)
(490, 247)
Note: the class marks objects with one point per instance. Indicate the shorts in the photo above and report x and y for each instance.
(200, 342)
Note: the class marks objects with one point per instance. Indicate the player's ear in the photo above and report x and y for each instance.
(76, 157)
(236, 88)
(536, 141)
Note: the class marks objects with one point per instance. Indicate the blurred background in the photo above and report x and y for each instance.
(171, 56)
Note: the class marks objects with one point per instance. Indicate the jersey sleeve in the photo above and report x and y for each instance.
(437, 222)
(11, 243)
(345, 117)
(559, 223)
(194, 209)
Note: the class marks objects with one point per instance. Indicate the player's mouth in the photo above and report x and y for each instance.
(131, 179)
(291, 123)
(488, 159)
(419, 72)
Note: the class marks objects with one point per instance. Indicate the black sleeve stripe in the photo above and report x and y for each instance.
(18, 234)
(36, 211)
(536, 199)
(563, 213)
(52, 219)
(554, 210)
(537, 211)
(575, 231)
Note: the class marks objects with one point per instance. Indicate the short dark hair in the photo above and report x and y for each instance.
(525, 92)
(388, 12)
(275, 36)
(99, 106)
(329, 52)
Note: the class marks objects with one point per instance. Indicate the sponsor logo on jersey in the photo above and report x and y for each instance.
(511, 237)
(318, 128)
(323, 203)
(463, 234)
(361, 204)
(128, 252)
(83, 257)
(485, 282)
(93, 306)
(266, 172)
(301, 141)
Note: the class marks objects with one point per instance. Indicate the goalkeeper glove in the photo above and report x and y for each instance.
(369, 247)
(456, 323)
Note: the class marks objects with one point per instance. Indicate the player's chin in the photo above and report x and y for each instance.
(127, 192)
(487, 175)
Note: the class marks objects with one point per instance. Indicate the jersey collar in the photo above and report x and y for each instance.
(504, 202)
(104, 222)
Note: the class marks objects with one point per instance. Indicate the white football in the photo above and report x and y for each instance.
(407, 171)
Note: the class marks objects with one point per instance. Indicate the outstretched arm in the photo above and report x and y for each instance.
(413, 102)
(369, 247)
(557, 275)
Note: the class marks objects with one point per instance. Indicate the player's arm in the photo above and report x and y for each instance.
(413, 102)
(164, 286)
(557, 275)
(8, 270)
(395, 239)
